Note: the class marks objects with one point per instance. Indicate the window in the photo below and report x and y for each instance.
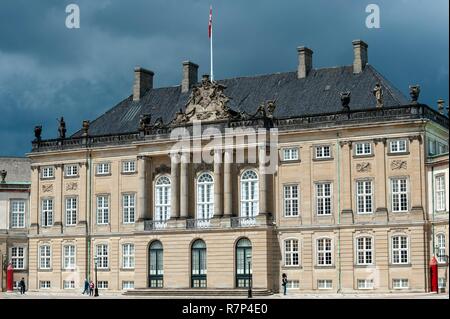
(399, 188)
(290, 154)
(128, 207)
(102, 256)
(249, 194)
(365, 283)
(47, 172)
(156, 270)
(400, 283)
(17, 214)
(205, 196)
(324, 284)
(162, 200)
(103, 169)
(400, 250)
(71, 211)
(102, 284)
(324, 252)
(45, 257)
(323, 198)
(69, 257)
(364, 197)
(69, 284)
(128, 166)
(198, 257)
(398, 146)
(363, 148)
(71, 170)
(431, 147)
(364, 250)
(441, 252)
(243, 263)
(440, 192)
(102, 210)
(290, 200)
(291, 252)
(442, 283)
(127, 285)
(128, 256)
(323, 151)
(18, 257)
(44, 284)
(47, 212)
(293, 284)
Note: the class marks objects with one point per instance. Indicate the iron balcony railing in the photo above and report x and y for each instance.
(249, 221)
(155, 225)
(198, 223)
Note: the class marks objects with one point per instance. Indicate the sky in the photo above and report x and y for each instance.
(48, 70)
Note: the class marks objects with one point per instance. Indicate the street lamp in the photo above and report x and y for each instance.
(96, 282)
(249, 261)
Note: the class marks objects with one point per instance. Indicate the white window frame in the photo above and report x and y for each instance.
(45, 257)
(291, 252)
(128, 256)
(364, 251)
(205, 196)
(290, 154)
(398, 146)
(103, 284)
(129, 208)
(442, 283)
(365, 284)
(69, 284)
(163, 198)
(69, 256)
(402, 196)
(17, 254)
(325, 253)
(102, 255)
(323, 198)
(127, 284)
(129, 166)
(363, 148)
(249, 205)
(398, 252)
(47, 172)
(102, 209)
(71, 170)
(440, 193)
(103, 168)
(401, 282)
(322, 151)
(441, 248)
(291, 200)
(71, 208)
(18, 209)
(45, 284)
(324, 284)
(47, 207)
(293, 284)
(363, 198)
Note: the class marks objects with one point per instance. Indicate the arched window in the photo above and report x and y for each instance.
(162, 198)
(205, 196)
(249, 194)
(198, 258)
(243, 263)
(155, 271)
(441, 253)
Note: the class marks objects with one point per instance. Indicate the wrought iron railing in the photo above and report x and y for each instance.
(243, 222)
(198, 223)
(155, 225)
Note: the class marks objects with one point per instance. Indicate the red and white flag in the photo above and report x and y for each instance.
(210, 23)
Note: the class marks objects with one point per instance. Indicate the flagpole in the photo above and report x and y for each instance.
(211, 47)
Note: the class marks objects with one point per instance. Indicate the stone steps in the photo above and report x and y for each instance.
(196, 292)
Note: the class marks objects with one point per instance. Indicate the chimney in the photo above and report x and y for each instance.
(304, 62)
(143, 81)
(360, 56)
(190, 76)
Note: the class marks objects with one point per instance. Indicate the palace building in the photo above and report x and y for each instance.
(327, 175)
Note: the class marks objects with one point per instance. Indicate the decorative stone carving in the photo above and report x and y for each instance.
(203, 167)
(414, 92)
(345, 100)
(144, 121)
(398, 164)
(3, 174)
(363, 167)
(47, 188)
(378, 93)
(72, 186)
(85, 128)
(62, 128)
(162, 169)
(380, 140)
(37, 133)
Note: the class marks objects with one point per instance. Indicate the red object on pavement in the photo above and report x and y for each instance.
(434, 274)
(9, 278)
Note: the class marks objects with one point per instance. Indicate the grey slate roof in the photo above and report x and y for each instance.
(318, 93)
(18, 169)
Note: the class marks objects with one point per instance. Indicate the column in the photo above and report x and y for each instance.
(174, 175)
(58, 197)
(346, 182)
(227, 194)
(262, 181)
(218, 210)
(141, 192)
(381, 178)
(83, 200)
(34, 201)
(184, 185)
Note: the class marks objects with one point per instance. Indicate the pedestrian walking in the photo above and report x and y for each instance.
(284, 283)
(91, 288)
(22, 286)
(86, 287)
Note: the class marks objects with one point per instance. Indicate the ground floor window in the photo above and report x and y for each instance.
(102, 284)
(156, 271)
(44, 284)
(198, 275)
(243, 263)
(365, 283)
(442, 283)
(69, 284)
(293, 284)
(400, 283)
(127, 285)
(324, 284)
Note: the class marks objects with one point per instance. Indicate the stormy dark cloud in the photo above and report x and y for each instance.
(47, 70)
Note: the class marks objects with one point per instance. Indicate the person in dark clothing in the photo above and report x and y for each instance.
(22, 286)
(284, 283)
(91, 288)
(86, 287)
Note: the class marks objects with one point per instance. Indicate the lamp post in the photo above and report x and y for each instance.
(96, 282)
(250, 283)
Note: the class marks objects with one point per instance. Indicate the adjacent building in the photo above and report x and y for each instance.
(349, 206)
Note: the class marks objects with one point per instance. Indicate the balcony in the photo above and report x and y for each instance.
(237, 222)
(198, 223)
(155, 225)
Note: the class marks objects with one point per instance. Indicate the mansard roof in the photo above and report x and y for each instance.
(317, 93)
